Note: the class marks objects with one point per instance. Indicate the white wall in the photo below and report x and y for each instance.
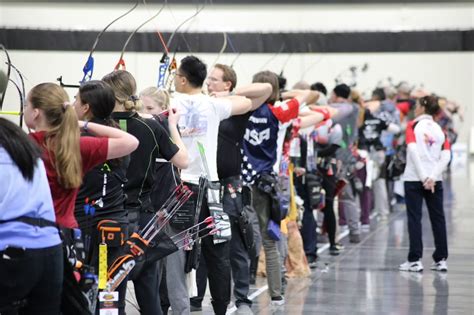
(244, 18)
(449, 74)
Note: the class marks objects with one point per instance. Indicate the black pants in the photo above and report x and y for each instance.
(414, 195)
(146, 282)
(329, 185)
(308, 228)
(201, 284)
(217, 261)
(35, 275)
(239, 260)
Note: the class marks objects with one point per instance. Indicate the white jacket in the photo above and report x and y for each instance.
(428, 150)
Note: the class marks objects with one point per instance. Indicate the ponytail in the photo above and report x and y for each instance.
(125, 88)
(62, 138)
(67, 152)
(430, 103)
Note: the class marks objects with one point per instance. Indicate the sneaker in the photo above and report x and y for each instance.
(354, 238)
(414, 266)
(440, 266)
(277, 301)
(365, 227)
(312, 261)
(244, 309)
(340, 246)
(333, 250)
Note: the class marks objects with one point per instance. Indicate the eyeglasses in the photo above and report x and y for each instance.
(180, 75)
(213, 79)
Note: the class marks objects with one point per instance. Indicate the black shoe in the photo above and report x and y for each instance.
(312, 261)
(194, 308)
(334, 250)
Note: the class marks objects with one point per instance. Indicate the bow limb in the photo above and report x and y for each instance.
(88, 68)
(121, 61)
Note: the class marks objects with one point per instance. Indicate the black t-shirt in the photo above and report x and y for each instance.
(102, 189)
(370, 132)
(155, 143)
(229, 145)
(166, 174)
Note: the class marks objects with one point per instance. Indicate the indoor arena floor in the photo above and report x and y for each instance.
(365, 279)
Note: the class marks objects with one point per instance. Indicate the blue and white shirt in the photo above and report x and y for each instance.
(263, 139)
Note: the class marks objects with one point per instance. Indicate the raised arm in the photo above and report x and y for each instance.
(258, 93)
(311, 119)
(393, 128)
(240, 105)
(121, 143)
(303, 96)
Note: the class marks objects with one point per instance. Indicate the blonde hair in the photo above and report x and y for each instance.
(125, 88)
(160, 97)
(62, 138)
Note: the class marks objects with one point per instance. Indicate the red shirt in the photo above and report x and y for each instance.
(93, 152)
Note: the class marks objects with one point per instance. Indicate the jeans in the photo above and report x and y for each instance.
(350, 208)
(35, 275)
(414, 195)
(175, 279)
(262, 204)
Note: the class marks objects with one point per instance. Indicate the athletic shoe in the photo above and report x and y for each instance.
(365, 227)
(413, 266)
(334, 250)
(440, 266)
(277, 301)
(312, 261)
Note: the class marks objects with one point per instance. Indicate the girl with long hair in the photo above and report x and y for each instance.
(66, 155)
(155, 143)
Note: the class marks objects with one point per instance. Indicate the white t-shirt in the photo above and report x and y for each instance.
(199, 122)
